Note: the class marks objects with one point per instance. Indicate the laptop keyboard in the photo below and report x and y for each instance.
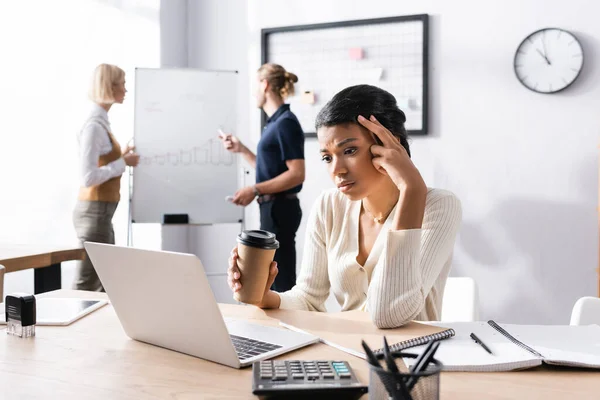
(247, 348)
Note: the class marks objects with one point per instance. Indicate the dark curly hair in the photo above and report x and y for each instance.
(365, 100)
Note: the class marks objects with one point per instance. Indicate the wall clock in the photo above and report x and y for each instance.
(548, 60)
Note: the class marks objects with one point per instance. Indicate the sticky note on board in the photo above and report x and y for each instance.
(413, 104)
(356, 53)
(308, 97)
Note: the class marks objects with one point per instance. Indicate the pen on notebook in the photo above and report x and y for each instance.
(479, 342)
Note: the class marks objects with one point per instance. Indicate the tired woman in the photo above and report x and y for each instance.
(381, 241)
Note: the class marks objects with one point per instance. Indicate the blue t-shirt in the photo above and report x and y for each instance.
(282, 140)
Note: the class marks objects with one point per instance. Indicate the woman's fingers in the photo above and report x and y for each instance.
(234, 284)
(377, 150)
(227, 140)
(233, 269)
(378, 164)
(233, 272)
(273, 271)
(385, 131)
(379, 130)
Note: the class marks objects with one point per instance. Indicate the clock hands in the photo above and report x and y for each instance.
(544, 47)
(544, 56)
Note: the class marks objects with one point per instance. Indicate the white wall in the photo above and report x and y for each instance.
(44, 76)
(523, 164)
(218, 40)
(174, 33)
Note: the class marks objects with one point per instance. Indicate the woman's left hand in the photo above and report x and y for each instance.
(131, 158)
(244, 196)
(392, 159)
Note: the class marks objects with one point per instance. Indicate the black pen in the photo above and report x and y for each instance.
(393, 369)
(370, 356)
(422, 363)
(479, 342)
(421, 359)
(389, 359)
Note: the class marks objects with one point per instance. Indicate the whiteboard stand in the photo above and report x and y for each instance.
(176, 237)
(183, 166)
(129, 220)
(245, 173)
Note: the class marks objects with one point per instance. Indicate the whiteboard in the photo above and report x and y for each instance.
(183, 167)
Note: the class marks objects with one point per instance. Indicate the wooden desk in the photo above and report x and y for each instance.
(94, 359)
(44, 259)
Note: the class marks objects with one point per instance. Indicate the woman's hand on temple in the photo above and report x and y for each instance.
(391, 158)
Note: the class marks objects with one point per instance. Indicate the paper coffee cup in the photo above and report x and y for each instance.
(256, 250)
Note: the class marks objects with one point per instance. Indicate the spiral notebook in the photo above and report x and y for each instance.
(346, 330)
(418, 341)
(517, 347)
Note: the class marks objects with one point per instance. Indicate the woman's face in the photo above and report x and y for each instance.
(259, 92)
(346, 151)
(119, 92)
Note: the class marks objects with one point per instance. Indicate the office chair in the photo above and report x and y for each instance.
(461, 300)
(586, 311)
(1, 284)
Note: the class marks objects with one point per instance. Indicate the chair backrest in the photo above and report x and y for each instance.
(586, 311)
(1, 284)
(461, 300)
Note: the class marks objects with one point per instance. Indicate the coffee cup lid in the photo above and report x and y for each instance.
(257, 238)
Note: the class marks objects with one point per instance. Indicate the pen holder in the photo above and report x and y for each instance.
(387, 385)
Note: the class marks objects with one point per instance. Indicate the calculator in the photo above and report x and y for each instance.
(301, 378)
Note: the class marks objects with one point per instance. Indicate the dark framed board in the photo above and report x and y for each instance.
(391, 53)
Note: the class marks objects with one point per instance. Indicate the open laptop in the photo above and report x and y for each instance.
(165, 299)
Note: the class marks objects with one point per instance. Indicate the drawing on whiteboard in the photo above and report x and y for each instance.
(211, 152)
(192, 97)
(192, 190)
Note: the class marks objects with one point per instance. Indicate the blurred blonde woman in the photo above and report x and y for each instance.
(279, 163)
(102, 162)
